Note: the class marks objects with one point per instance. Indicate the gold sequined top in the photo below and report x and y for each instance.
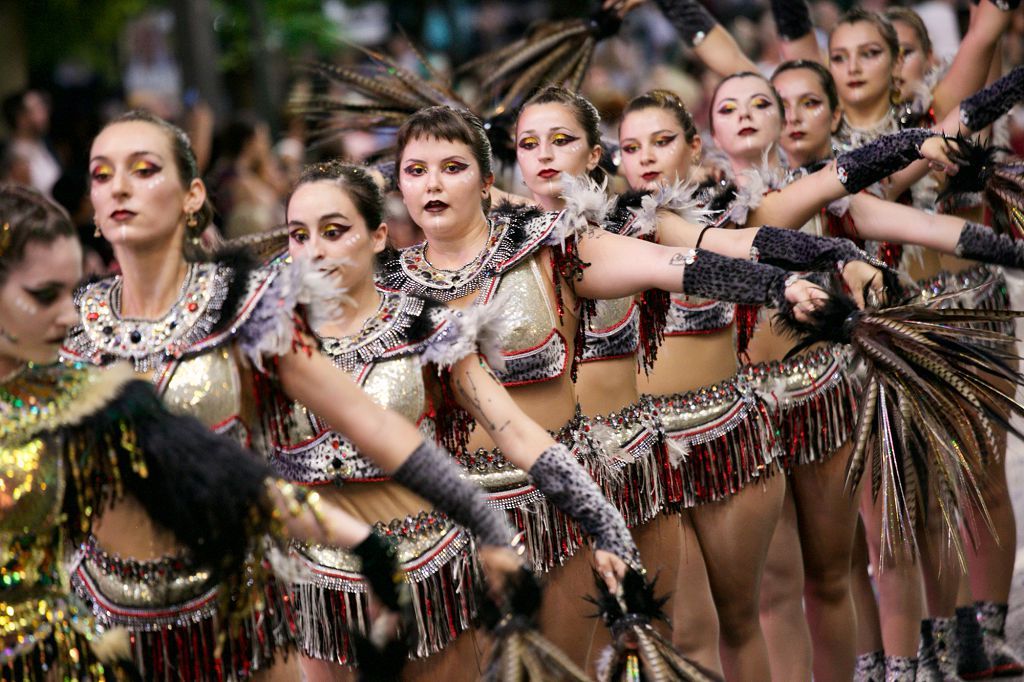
(37, 471)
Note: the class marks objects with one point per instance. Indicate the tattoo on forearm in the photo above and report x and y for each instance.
(678, 258)
(472, 396)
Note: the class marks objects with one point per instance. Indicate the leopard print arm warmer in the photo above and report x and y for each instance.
(563, 481)
(430, 473)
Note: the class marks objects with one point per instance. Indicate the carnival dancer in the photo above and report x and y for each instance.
(198, 329)
(76, 440)
(432, 365)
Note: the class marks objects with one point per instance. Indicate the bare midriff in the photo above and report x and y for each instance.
(687, 363)
(127, 530)
(374, 501)
(605, 386)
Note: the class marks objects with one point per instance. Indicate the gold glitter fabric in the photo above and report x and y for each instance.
(42, 476)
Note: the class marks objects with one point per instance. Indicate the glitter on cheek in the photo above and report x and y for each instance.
(155, 182)
(22, 303)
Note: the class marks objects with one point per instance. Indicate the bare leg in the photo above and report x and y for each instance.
(565, 617)
(782, 593)
(899, 585)
(827, 515)
(694, 618)
(734, 535)
(869, 631)
(460, 661)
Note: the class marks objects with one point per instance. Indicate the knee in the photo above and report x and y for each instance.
(829, 583)
(739, 622)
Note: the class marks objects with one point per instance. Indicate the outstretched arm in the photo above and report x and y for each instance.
(702, 33)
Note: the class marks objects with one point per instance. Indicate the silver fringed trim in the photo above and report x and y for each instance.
(443, 585)
(627, 448)
(815, 420)
(724, 456)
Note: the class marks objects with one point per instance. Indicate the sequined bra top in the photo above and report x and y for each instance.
(188, 353)
(384, 358)
(506, 272)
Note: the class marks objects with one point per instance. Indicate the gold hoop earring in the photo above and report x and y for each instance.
(191, 221)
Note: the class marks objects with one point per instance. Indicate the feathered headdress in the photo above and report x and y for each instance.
(928, 406)
(985, 168)
(552, 53)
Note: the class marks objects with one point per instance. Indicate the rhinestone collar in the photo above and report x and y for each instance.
(148, 342)
(382, 332)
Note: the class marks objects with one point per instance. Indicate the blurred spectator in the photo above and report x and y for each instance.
(246, 182)
(72, 192)
(27, 115)
(12, 167)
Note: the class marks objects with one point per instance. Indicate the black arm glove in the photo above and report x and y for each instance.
(1005, 5)
(978, 242)
(794, 250)
(792, 18)
(981, 109)
(381, 569)
(691, 19)
(430, 473)
(711, 275)
(877, 160)
(571, 489)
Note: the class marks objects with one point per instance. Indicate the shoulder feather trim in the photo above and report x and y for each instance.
(477, 329)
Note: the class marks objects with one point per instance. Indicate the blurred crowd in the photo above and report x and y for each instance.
(250, 162)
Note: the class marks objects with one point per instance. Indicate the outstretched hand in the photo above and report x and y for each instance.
(861, 277)
(937, 151)
(805, 297)
(612, 569)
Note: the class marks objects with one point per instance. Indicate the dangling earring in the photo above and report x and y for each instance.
(96, 232)
(192, 223)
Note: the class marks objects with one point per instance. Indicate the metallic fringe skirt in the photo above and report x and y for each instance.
(718, 439)
(170, 612)
(628, 461)
(440, 564)
(812, 398)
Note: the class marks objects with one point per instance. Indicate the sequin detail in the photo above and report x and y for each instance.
(727, 433)
(813, 401)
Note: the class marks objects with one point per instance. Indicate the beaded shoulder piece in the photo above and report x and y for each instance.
(514, 234)
(216, 299)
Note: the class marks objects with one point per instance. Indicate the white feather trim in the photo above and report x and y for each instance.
(756, 183)
(479, 328)
(287, 566)
(603, 664)
(840, 207)
(586, 206)
(270, 329)
(678, 450)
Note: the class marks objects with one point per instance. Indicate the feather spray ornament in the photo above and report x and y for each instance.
(987, 169)
(638, 652)
(521, 653)
(930, 402)
(552, 53)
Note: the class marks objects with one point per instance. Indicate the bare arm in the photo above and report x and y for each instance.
(970, 67)
(887, 221)
(720, 52)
